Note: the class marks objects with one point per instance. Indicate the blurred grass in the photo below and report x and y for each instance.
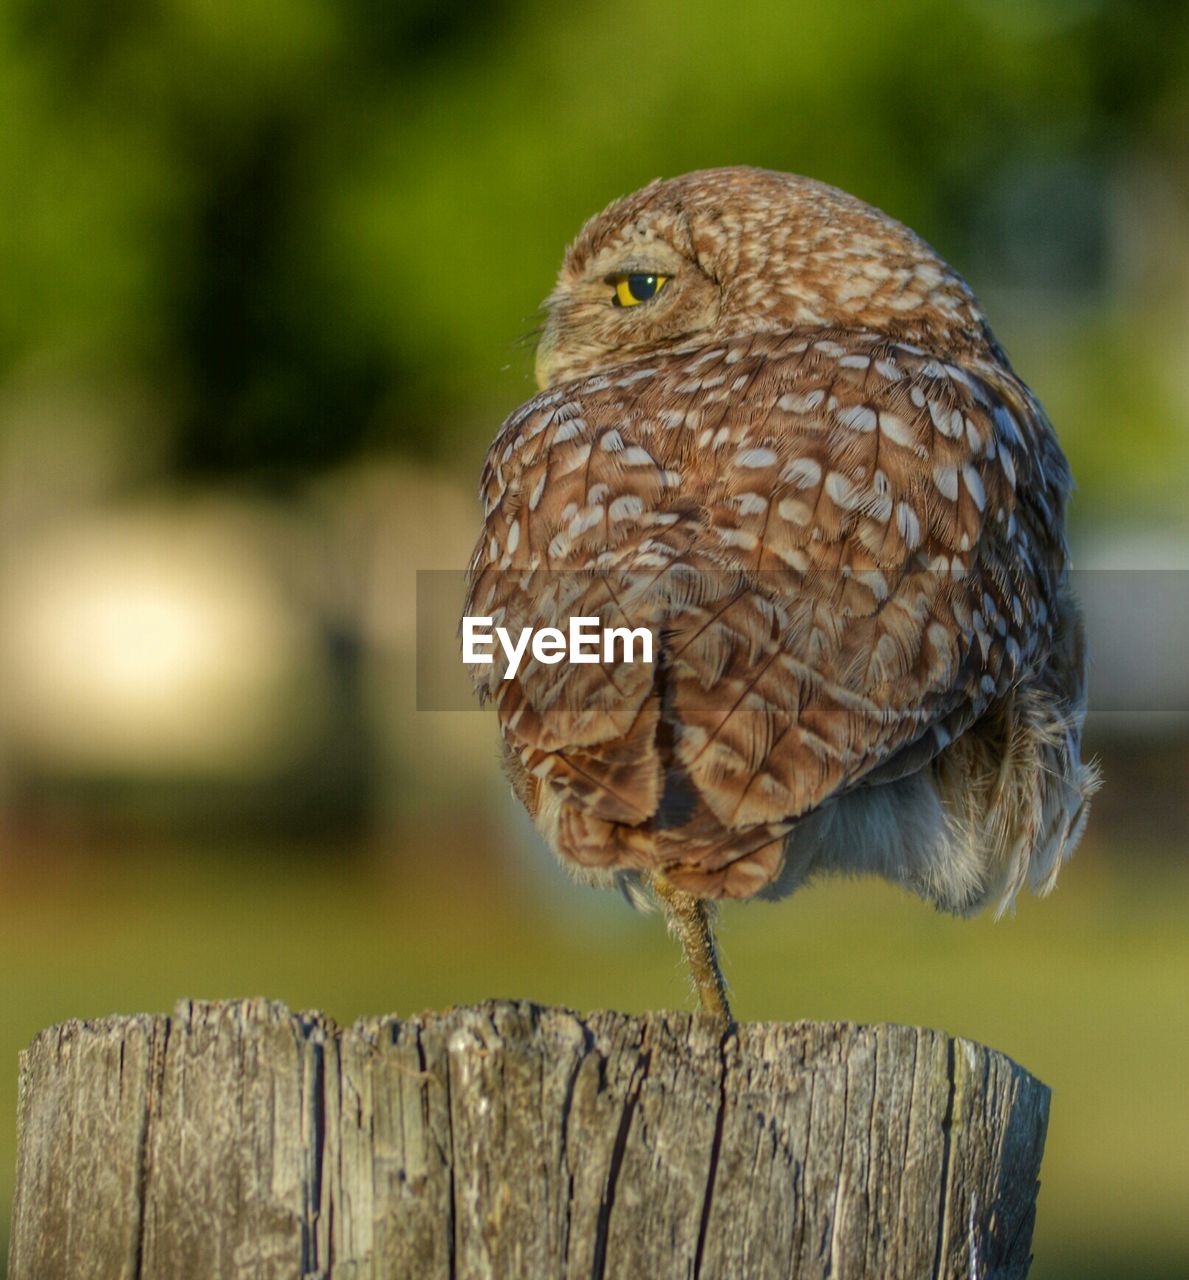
(1086, 990)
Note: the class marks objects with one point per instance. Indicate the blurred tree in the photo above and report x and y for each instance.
(309, 226)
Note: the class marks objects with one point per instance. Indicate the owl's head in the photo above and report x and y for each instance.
(724, 252)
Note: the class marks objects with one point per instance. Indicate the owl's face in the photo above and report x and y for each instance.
(643, 290)
(724, 252)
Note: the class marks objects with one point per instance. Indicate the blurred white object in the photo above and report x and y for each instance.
(157, 641)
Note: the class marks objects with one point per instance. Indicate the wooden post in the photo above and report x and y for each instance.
(508, 1140)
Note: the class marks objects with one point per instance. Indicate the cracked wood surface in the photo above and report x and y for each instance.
(507, 1140)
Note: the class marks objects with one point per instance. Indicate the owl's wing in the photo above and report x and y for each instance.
(844, 549)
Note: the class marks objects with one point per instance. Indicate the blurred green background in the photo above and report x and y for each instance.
(266, 275)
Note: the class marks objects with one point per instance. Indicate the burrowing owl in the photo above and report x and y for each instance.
(776, 430)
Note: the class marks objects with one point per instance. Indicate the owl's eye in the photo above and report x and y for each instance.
(634, 288)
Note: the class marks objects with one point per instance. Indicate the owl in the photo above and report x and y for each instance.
(777, 438)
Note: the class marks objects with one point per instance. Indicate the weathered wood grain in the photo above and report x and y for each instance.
(240, 1140)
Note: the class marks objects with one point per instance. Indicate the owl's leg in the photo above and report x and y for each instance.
(691, 920)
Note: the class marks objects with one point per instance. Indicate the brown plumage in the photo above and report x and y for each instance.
(807, 467)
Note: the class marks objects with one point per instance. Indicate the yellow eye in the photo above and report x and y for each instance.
(631, 290)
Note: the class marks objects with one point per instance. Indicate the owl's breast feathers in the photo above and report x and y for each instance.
(846, 549)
